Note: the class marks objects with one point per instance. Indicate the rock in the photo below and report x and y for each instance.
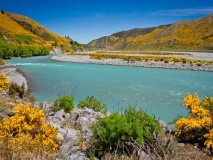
(80, 156)
(75, 142)
(87, 112)
(67, 116)
(165, 126)
(2, 115)
(56, 119)
(47, 107)
(70, 145)
(60, 113)
(181, 145)
(73, 136)
(75, 114)
(4, 94)
(10, 112)
(85, 122)
(56, 51)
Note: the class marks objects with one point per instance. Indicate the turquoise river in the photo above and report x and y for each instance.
(158, 91)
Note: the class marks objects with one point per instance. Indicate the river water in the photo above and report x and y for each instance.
(158, 91)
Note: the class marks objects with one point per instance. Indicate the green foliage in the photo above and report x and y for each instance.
(24, 39)
(93, 103)
(143, 124)
(8, 51)
(112, 133)
(66, 102)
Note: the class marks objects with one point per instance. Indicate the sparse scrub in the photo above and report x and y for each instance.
(93, 103)
(65, 102)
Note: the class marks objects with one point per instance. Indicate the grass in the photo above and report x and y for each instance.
(165, 147)
(24, 39)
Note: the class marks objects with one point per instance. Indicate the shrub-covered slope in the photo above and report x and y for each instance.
(21, 30)
(183, 35)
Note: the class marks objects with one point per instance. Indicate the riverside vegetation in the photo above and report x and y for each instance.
(150, 58)
(134, 134)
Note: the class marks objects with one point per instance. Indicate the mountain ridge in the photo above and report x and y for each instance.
(182, 35)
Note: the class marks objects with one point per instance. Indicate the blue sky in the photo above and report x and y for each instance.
(85, 20)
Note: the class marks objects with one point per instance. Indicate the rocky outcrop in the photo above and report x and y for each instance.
(57, 50)
(74, 129)
(15, 76)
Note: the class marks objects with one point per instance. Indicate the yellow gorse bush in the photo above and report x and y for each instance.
(198, 126)
(148, 58)
(4, 82)
(2, 62)
(27, 133)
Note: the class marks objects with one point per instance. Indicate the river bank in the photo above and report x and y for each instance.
(147, 64)
(15, 76)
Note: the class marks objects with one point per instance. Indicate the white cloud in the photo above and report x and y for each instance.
(184, 12)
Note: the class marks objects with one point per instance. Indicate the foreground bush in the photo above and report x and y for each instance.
(27, 134)
(65, 102)
(93, 103)
(117, 132)
(4, 82)
(197, 127)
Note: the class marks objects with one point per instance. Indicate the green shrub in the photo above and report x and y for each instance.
(93, 103)
(143, 125)
(66, 102)
(117, 132)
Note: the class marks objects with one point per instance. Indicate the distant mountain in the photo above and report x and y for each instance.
(183, 35)
(21, 30)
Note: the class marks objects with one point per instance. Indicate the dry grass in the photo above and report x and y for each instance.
(163, 147)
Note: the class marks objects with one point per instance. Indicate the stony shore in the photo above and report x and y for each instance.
(148, 64)
(15, 76)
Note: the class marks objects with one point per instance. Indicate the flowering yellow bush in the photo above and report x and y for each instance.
(198, 126)
(4, 82)
(27, 133)
(2, 62)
